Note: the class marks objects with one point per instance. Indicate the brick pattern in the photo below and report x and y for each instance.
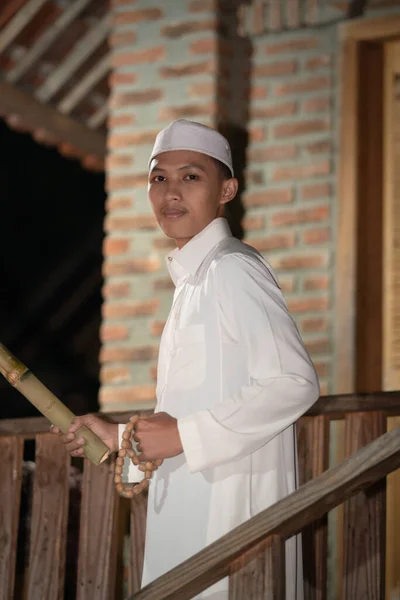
(170, 63)
(290, 178)
(164, 67)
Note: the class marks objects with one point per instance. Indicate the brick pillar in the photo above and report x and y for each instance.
(290, 181)
(165, 66)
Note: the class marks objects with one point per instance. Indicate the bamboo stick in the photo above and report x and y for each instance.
(22, 379)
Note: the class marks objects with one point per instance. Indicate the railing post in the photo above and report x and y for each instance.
(11, 451)
(49, 520)
(313, 452)
(97, 541)
(260, 574)
(137, 538)
(364, 535)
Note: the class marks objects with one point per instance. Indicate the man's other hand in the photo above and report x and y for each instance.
(107, 432)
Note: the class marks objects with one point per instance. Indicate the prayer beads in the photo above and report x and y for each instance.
(126, 450)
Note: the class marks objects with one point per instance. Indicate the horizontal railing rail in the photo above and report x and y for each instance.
(334, 407)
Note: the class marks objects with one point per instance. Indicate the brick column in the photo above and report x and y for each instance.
(165, 66)
(290, 183)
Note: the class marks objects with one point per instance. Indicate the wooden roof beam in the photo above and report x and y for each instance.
(40, 116)
(356, 8)
(50, 35)
(87, 83)
(18, 22)
(99, 117)
(78, 55)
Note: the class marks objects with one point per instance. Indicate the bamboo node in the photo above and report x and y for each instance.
(13, 377)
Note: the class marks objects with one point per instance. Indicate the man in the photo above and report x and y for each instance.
(233, 374)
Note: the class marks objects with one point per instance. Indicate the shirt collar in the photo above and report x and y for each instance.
(185, 262)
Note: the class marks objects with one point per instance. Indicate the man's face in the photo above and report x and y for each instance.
(186, 190)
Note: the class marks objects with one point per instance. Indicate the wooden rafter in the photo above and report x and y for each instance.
(45, 41)
(356, 8)
(275, 15)
(86, 84)
(81, 52)
(99, 117)
(40, 116)
(19, 21)
(312, 11)
(9, 10)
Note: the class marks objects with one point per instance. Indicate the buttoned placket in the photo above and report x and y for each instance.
(172, 326)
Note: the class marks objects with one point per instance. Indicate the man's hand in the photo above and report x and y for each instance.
(158, 437)
(107, 432)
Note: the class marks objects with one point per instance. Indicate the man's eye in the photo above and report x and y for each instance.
(159, 178)
(192, 177)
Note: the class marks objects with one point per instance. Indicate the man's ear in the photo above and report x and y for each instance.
(229, 190)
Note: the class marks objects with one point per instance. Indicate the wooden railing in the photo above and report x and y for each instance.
(252, 555)
(50, 569)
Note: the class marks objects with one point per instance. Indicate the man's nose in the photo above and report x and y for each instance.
(173, 191)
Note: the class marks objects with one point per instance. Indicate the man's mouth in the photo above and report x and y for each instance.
(173, 213)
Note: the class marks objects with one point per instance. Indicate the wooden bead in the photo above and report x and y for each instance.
(134, 419)
(135, 459)
(148, 474)
(158, 462)
(129, 427)
(119, 488)
(118, 469)
(128, 494)
(119, 460)
(126, 444)
(122, 453)
(149, 465)
(117, 479)
(142, 467)
(126, 435)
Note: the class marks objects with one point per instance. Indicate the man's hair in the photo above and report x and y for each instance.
(223, 169)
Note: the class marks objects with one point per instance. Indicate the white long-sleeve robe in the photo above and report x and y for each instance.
(234, 372)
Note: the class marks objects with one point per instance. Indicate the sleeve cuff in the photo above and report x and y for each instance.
(130, 473)
(191, 441)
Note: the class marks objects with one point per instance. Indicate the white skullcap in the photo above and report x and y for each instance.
(188, 135)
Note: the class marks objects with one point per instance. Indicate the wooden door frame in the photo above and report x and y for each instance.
(352, 35)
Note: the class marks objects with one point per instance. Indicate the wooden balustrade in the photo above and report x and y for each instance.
(282, 520)
(252, 555)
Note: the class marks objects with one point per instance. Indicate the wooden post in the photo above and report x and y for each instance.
(11, 450)
(260, 574)
(137, 537)
(364, 536)
(313, 452)
(49, 520)
(97, 541)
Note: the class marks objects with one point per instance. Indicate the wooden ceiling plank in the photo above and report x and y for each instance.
(18, 22)
(311, 12)
(356, 8)
(50, 35)
(40, 116)
(275, 15)
(86, 84)
(99, 117)
(81, 52)
(8, 11)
